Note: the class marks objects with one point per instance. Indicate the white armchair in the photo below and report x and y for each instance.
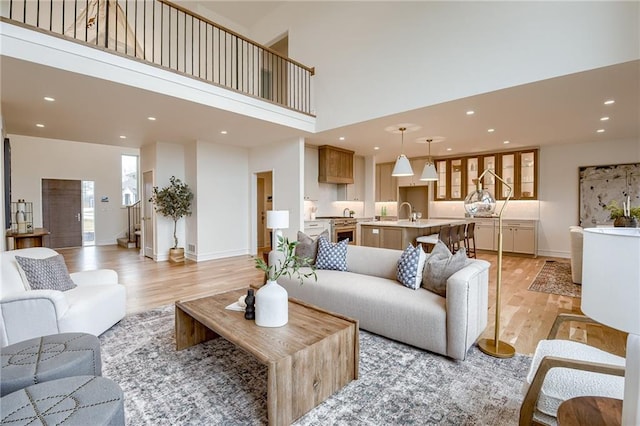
(564, 369)
(97, 303)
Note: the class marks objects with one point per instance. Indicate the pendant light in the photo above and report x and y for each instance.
(429, 173)
(402, 167)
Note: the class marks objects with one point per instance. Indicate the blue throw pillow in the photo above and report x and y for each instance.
(410, 266)
(332, 256)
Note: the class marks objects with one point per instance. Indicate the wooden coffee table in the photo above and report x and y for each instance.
(314, 355)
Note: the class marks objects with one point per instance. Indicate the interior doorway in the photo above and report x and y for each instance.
(147, 214)
(264, 202)
(62, 212)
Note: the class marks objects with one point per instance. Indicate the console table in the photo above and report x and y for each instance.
(32, 239)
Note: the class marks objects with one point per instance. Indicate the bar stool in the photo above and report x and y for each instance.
(470, 238)
(454, 239)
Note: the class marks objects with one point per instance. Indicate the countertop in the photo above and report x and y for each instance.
(422, 223)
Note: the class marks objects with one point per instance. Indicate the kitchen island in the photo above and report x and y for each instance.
(400, 233)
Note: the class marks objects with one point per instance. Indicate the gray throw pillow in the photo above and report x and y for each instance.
(440, 265)
(307, 247)
(46, 274)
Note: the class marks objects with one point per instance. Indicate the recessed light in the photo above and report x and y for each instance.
(449, 149)
(39, 125)
(123, 137)
(470, 112)
(223, 132)
(491, 130)
(376, 148)
(604, 118)
(609, 102)
(151, 118)
(49, 98)
(600, 130)
(341, 138)
(506, 142)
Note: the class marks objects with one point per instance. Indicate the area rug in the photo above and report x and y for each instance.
(214, 383)
(555, 277)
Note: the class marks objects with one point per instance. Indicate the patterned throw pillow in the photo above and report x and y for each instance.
(410, 266)
(332, 256)
(46, 274)
(307, 247)
(440, 265)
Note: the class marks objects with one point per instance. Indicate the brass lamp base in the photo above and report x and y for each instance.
(504, 350)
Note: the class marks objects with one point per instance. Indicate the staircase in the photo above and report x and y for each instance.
(133, 233)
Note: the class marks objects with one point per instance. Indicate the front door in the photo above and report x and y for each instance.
(62, 212)
(147, 214)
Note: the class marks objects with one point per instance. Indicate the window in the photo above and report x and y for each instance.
(88, 213)
(129, 179)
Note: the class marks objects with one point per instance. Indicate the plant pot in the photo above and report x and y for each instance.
(176, 255)
(626, 221)
(272, 305)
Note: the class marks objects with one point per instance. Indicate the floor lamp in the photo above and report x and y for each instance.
(611, 296)
(482, 203)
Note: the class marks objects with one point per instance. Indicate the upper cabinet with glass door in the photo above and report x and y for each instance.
(519, 169)
(441, 184)
(458, 187)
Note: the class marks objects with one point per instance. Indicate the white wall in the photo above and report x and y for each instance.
(3, 243)
(558, 186)
(223, 212)
(377, 58)
(286, 161)
(33, 159)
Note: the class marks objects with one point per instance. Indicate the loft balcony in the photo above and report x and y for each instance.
(165, 35)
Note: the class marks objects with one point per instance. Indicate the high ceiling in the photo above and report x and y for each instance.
(566, 109)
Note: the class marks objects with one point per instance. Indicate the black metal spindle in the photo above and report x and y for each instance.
(51, 15)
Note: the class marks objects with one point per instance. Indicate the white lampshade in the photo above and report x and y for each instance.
(429, 172)
(402, 167)
(277, 219)
(611, 277)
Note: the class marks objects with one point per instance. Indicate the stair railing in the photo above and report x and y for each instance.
(170, 36)
(133, 222)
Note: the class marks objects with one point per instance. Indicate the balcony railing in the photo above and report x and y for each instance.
(174, 38)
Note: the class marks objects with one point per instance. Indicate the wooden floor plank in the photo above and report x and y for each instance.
(526, 316)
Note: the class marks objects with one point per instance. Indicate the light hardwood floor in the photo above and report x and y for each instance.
(526, 316)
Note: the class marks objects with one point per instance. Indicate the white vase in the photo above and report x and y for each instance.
(272, 305)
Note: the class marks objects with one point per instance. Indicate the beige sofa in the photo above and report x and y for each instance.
(370, 293)
(97, 303)
(576, 235)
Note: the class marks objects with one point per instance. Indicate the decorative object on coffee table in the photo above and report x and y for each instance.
(272, 300)
(173, 201)
(624, 216)
(611, 296)
(481, 200)
(250, 309)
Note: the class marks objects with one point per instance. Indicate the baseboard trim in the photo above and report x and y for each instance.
(216, 255)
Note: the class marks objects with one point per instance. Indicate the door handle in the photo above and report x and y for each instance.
(78, 217)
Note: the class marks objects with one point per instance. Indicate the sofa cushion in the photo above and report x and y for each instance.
(410, 266)
(332, 256)
(440, 265)
(46, 274)
(307, 247)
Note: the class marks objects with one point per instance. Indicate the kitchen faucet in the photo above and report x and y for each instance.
(346, 212)
(410, 210)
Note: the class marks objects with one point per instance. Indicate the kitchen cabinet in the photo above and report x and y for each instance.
(518, 168)
(518, 236)
(314, 228)
(441, 185)
(335, 165)
(484, 234)
(520, 171)
(386, 185)
(311, 187)
(382, 236)
(355, 190)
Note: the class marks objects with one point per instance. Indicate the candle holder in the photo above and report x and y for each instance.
(21, 217)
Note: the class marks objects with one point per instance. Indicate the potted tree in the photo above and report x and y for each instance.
(173, 201)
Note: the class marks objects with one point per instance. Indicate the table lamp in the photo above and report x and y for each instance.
(277, 220)
(482, 203)
(611, 296)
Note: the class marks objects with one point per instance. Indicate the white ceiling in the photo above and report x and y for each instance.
(560, 110)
